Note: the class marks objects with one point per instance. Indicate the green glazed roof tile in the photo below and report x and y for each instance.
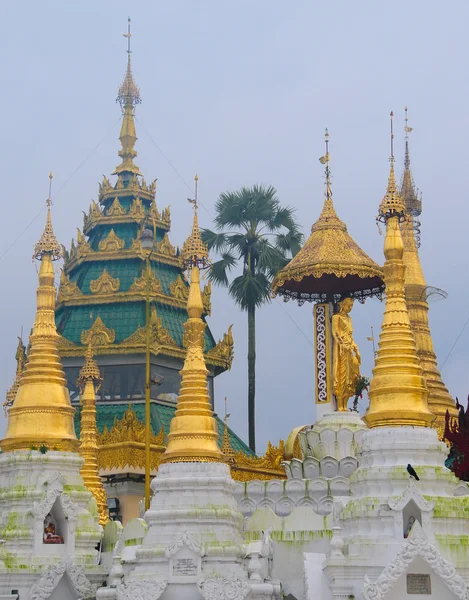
(161, 415)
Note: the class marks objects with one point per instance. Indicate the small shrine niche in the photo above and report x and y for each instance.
(54, 526)
(410, 513)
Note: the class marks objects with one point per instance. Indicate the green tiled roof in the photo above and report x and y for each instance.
(161, 415)
(124, 318)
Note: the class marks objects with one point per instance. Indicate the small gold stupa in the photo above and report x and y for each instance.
(398, 392)
(193, 435)
(41, 413)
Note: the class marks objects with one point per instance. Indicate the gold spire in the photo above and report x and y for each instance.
(128, 97)
(194, 251)
(392, 202)
(226, 447)
(89, 381)
(398, 394)
(193, 435)
(42, 413)
(439, 399)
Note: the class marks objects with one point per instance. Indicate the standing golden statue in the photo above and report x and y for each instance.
(345, 355)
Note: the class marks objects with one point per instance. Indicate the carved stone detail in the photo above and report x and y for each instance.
(99, 334)
(136, 210)
(105, 284)
(141, 590)
(165, 247)
(111, 243)
(160, 332)
(220, 588)
(224, 349)
(416, 545)
(68, 289)
(206, 298)
(184, 540)
(179, 289)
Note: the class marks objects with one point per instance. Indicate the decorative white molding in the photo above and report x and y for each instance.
(223, 588)
(70, 511)
(141, 590)
(416, 545)
(43, 588)
(43, 508)
(411, 493)
(184, 540)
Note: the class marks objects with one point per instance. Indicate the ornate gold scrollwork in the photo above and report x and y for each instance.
(105, 284)
(99, 334)
(111, 243)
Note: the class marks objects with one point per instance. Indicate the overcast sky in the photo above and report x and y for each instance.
(240, 92)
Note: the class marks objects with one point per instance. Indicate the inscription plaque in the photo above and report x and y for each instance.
(418, 583)
(185, 567)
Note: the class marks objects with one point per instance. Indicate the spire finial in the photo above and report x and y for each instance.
(324, 160)
(392, 204)
(194, 251)
(48, 243)
(128, 35)
(409, 193)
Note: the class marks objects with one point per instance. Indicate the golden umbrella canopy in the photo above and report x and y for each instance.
(331, 265)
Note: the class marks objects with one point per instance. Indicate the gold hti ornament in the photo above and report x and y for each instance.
(41, 413)
(398, 393)
(89, 382)
(193, 435)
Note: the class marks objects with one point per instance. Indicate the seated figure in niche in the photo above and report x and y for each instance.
(345, 355)
(408, 528)
(50, 537)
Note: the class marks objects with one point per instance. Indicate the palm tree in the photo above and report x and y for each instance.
(266, 236)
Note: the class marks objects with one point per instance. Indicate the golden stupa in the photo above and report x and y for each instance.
(89, 381)
(41, 414)
(331, 265)
(193, 435)
(416, 293)
(398, 392)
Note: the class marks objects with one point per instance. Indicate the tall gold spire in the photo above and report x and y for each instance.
(89, 381)
(193, 435)
(439, 399)
(128, 97)
(398, 394)
(42, 413)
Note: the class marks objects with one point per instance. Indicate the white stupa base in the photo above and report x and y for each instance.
(32, 485)
(193, 548)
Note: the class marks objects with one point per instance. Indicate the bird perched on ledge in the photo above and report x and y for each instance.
(412, 472)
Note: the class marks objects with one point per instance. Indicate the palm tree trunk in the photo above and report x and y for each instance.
(252, 376)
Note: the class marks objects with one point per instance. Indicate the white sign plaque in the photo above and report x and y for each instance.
(185, 567)
(419, 584)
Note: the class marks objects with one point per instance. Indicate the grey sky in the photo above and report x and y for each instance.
(240, 92)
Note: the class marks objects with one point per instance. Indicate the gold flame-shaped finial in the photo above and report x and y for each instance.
(89, 381)
(48, 243)
(194, 251)
(398, 392)
(392, 203)
(42, 413)
(128, 97)
(193, 435)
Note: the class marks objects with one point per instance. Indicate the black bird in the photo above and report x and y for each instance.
(412, 472)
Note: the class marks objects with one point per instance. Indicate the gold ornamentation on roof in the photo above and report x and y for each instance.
(247, 467)
(98, 334)
(224, 349)
(48, 243)
(90, 370)
(206, 298)
(194, 251)
(154, 213)
(111, 243)
(129, 429)
(20, 357)
(128, 91)
(116, 209)
(136, 210)
(179, 289)
(166, 216)
(105, 284)
(165, 247)
(160, 332)
(68, 289)
(330, 264)
(140, 284)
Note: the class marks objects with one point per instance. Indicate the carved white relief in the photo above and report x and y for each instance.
(43, 588)
(219, 588)
(43, 508)
(416, 545)
(70, 511)
(55, 478)
(141, 590)
(411, 493)
(184, 540)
